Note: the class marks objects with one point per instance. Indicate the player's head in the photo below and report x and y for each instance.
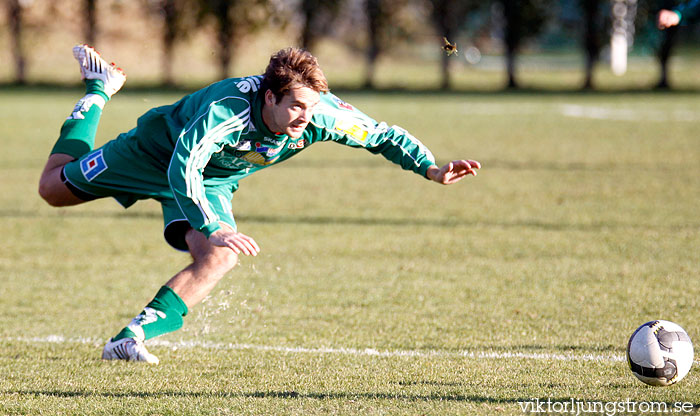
(293, 67)
(292, 85)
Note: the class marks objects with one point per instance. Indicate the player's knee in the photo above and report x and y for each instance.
(51, 186)
(225, 259)
(48, 193)
(219, 260)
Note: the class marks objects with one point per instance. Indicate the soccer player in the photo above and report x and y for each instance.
(191, 155)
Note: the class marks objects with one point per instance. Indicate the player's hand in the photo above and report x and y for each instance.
(453, 171)
(666, 19)
(238, 242)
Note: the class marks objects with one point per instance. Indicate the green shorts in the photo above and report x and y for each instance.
(122, 171)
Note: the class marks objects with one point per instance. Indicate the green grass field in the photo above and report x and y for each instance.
(376, 291)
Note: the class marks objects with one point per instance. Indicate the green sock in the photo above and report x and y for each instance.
(162, 315)
(96, 86)
(78, 132)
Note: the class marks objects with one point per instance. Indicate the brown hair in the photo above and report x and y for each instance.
(293, 66)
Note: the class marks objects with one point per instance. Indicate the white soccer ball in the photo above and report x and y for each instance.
(660, 353)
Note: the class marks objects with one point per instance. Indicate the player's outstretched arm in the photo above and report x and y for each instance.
(238, 242)
(453, 171)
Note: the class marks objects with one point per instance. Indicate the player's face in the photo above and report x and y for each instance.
(293, 113)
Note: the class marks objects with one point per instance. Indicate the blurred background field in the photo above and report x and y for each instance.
(191, 43)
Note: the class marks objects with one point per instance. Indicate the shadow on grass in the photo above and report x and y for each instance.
(294, 395)
(321, 220)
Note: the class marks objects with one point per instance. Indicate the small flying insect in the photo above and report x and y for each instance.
(450, 48)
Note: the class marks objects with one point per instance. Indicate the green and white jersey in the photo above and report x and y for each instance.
(216, 136)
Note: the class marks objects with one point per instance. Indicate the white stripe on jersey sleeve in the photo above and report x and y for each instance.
(369, 125)
(201, 153)
(199, 157)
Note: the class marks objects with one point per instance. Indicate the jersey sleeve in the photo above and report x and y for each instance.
(688, 12)
(217, 125)
(338, 121)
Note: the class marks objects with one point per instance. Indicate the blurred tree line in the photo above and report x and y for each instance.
(583, 24)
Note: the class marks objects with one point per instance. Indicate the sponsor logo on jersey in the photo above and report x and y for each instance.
(273, 141)
(299, 144)
(93, 165)
(229, 160)
(249, 84)
(257, 159)
(242, 145)
(248, 152)
(342, 104)
(352, 129)
(267, 150)
(260, 148)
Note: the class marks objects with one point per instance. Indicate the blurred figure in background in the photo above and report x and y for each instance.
(669, 20)
(684, 13)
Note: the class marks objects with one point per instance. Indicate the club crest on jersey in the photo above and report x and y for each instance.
(93, 165)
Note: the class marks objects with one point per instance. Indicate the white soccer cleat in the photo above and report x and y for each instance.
(92, 66)
(128, 349)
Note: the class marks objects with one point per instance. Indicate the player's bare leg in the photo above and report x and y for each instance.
(210, 264)
(172, 302)
(51, 187)
(78, 132)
